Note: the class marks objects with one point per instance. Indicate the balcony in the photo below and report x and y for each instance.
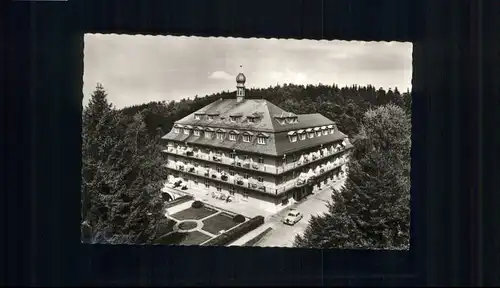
(305, 159)
(253, 184)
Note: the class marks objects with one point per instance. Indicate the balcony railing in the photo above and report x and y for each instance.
(312, 157)
(252, 183)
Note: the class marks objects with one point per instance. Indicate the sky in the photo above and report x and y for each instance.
(136, 69)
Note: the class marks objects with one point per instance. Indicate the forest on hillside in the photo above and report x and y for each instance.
(122, 173)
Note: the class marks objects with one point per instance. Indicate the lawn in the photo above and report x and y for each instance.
(218, 222)
(179, 238)
(194, 213)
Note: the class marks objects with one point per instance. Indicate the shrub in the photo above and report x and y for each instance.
(197, 204)
(236, 232)
(239, 218)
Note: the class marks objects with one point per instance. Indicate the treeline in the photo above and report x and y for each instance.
(344, 105)
(121, 165)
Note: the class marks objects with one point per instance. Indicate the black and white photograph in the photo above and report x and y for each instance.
(216, 141)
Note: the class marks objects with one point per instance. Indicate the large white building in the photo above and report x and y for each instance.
(254, 152)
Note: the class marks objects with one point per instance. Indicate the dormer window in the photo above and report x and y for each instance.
(325, 130)
(292, 135)
(220, 134)
(235, 117)
(330, 128)
(262, 138)
(196, 132)
(302, 134)
(253, 118)
(209, 133)
(318, 131)
(212, 115)
(232, 137)
(177, 130)
(246, 138)
(197, 117)
(310, 133)
(186, 131)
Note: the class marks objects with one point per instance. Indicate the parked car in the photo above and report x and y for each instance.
(292, 217)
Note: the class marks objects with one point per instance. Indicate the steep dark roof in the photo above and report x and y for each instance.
(278, 142)
(224, 108)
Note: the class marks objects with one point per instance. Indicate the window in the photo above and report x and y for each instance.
(231, 172)
(245, 176)
(261, 160)
(246, 138)
(196, 132)
(210, 117)
(231, 190)
(232, 137)
(289, 120)
(195, 181)
(325, 132)
(186, 131)
(281, 121)
(176, 130)
(318, 133)
(250, 119)
(197, 117)
(233, 119)
(220, 135)
(311, 134)
(217, 168)
(208, 134)
(261, 140)
(232, 155)
(260, 179)
(293, 138)
(219, 187)
(245, 195)
(331, 131)
(302, 136)
(206, 184)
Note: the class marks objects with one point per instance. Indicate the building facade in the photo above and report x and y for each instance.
(251, 151)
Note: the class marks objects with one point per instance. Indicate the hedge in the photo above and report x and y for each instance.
(257, 238)
(197, 204)
(239, 218)
(179, 200)
(236, 232)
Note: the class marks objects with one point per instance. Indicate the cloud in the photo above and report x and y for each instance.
(221, 75)
(138, 69)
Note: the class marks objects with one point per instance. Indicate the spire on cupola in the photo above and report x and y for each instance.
(240, 86)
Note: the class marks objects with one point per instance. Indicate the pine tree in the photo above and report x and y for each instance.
(134, 173)
(372, 210)
(97, 128)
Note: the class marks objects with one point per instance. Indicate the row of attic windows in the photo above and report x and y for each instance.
(220, 134)
(293, 136)
(232, 118)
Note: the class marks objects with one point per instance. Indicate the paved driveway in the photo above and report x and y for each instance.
(283, 235)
